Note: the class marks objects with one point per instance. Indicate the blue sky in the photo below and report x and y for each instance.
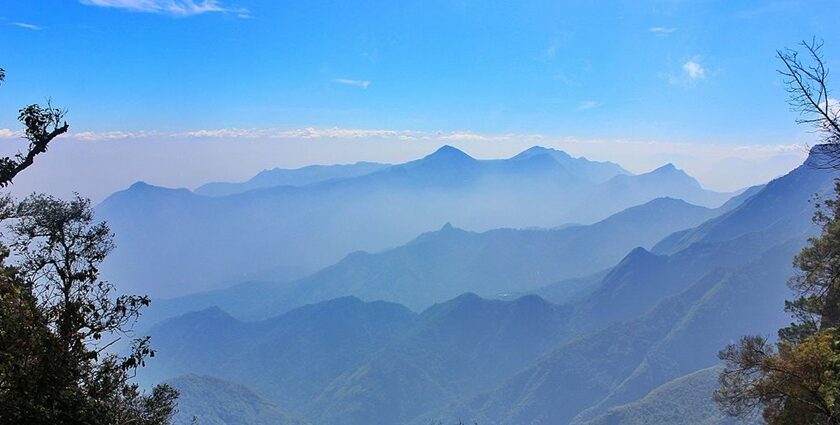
(675, 72)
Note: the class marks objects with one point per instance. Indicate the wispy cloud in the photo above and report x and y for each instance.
(587, 104)
(170, 7)
(662, 30)
(694, 70)
(292, 134)
(27, 26)
(6, 133)
(355, 83)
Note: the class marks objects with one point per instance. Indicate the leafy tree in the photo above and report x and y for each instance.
(42, 124)
(57, 318)
(797, 379)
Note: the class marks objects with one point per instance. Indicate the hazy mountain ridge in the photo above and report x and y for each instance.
(437, 266)
(456, 348)
(440, 265)
(686, 400)
(288, 358)
(292, 358)
(290, 177)
(195, 239)
(672, 311)
(742, 294)
(212, 401)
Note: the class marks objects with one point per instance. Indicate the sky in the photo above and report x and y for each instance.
(181, 92)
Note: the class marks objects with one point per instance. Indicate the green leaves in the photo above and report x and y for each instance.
(63, 370)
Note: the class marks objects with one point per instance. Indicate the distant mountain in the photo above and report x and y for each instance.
(441, 265)
(212, 401)
(623, 189)
(455, 349)
(294, 177)
(740, 301)
(591, 171)
(686, 400)
(452, 353)
(784, 203)
(623, 362)
(289, 358)
(626, 347)
(776, 214)
(664, 316)
(348, 362)
(191, 243)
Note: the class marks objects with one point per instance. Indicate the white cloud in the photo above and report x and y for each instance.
(355, 83)
(694, 70)
(6, 133)
(834, 106)
(587, 104)
(92, 136)
(662, 30)
(27, 26)
(169, 7)
(293, 134)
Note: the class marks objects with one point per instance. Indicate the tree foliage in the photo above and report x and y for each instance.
(57, 318)
(797, 379)
(42, 124)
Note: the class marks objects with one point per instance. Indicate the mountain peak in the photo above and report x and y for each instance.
(448, 153)
(539, 150)
(671, 172)
(667, 168)
(542, 149)
(140, 185)
(638, 254)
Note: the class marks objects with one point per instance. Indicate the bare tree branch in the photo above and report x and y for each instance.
(807, 88)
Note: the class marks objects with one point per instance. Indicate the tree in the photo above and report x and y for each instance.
(797, 379)
(57, 318)
(809, 96)
(58, 370)
(42, 124)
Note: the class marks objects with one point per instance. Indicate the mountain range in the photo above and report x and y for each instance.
(295, 177)
(193, 242)
(639, 343)
(440, 265)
